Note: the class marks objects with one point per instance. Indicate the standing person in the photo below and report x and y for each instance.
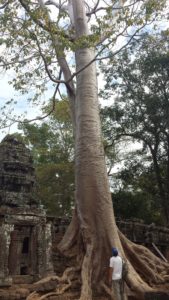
(115, 274)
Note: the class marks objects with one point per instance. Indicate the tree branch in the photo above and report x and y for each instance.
(14, 61)
(7, 126)
(49, 28)
(39, 118)
(4, 5)
(37, 21)
(96, 56)
(59, 6)
(59, 51)
(45, 63)
(95, 9)
(124, 46)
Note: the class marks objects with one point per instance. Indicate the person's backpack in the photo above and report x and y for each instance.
(124, 269)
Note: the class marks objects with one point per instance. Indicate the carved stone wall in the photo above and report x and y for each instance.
(154, 237)
(25, 248)
(135, 230)
(17, 178)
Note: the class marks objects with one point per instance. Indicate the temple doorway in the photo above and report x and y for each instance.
(23, 251)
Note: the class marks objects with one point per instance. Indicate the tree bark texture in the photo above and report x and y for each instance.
(93, 199)
(93, 230)
(97, 230)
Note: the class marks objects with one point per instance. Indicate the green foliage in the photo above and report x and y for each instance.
(138, 205)
(29, 34)
(137, 195)
(52, 146)
(140, 113)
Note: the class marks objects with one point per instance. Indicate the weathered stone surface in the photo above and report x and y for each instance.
(24, 279)
(157, 296)
(45, 286)
(17, 177)
(26, 235)
(22, 292)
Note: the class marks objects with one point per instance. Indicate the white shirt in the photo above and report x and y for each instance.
(116, 264)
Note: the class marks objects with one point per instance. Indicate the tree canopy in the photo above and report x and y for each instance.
(140, 76)
(58, 43)
(43, 34)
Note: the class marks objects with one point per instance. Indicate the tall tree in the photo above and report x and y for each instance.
(141, 108)
(30, 26)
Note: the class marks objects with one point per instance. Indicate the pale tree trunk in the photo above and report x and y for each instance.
(93, 198)
(97, 228)
(93, 230)
(95, 222)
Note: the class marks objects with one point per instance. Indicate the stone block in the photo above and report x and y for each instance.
(23, 279)
(157, 296)
(45, 286)
(4, 296)
(22, 292)
(12, 296)
(17, 297)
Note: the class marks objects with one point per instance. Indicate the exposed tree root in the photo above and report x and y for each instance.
(69, 244)
(108, 290)
(68, 279)
(149, 266)
(86, 274)
(57, 292)
(33, 296)
(61, 289)
(146, 271)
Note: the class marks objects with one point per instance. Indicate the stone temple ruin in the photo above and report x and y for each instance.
(29, 238)
(25, 234)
